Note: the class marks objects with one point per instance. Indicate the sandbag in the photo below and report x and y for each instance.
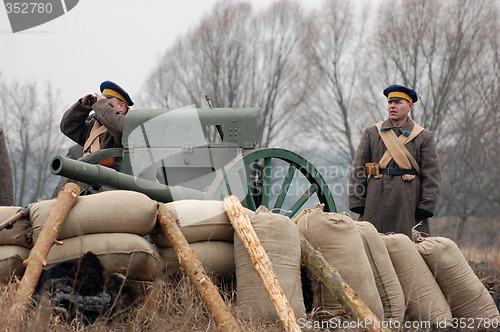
(217, 258)
(466, 295)
(337, 237)
(21, 233)
(116, 211)
(129, 254)
(11, 262)
(199, 221)
(424, 299)
(281, 240)
(390, 291)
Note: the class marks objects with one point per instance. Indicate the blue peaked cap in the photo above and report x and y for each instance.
(111, 89)
(398, 92)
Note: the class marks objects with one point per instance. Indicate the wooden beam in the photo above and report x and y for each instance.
(37, 259)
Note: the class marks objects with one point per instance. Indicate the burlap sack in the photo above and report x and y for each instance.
(386, 279)
(424, 299)
(21, 234)
(129, 254)
(199, 221)
(11, 262)
(116, 211)
(466, 295)
(281, 240)
(217, 258)
(336, 236)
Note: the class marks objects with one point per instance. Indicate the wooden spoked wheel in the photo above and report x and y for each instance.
(276, 178)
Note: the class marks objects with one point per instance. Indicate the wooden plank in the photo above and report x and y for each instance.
(37, 259)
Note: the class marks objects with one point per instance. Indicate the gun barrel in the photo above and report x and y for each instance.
(108, 178)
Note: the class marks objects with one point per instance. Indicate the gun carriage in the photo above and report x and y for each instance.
(201, 153)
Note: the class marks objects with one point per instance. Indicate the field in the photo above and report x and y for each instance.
(174, 305)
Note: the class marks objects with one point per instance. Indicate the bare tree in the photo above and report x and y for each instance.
(332, 51)
(429, 48)
(470, 187)
(275, 67)
(238, 59)
(206, 61)
(470, 151)
(33, 138)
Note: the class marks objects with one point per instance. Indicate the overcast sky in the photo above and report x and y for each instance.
(118, 40)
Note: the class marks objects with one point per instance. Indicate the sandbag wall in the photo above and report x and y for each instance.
(438, 283)
(423, 298)
(464, 292)
(208, 231)
(429, 280)
(112, 225)
(15, 244)
(210, 234)
(337, 237)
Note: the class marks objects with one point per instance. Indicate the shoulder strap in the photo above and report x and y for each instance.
(407, 153)
(92, 142)
(396, 149)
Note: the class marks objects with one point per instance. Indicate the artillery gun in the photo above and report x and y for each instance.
(201, 153)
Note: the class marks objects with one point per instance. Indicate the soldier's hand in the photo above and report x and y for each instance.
(99, 97)
(421, 214)
(86, 101)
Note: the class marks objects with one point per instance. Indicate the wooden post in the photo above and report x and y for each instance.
(331, 279)
(37, 259)
(196, 272)
(261, 262)
(303, 212)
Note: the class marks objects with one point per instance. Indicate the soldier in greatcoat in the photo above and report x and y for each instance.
(104, 129)
(101, 130)
(395, 185)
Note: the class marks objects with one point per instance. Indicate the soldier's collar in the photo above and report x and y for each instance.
(405, 129)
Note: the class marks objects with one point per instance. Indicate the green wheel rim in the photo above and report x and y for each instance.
(232, 174)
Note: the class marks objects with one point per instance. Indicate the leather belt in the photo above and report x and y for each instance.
(397, 171)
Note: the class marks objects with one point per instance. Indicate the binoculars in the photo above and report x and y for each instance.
(91, 101)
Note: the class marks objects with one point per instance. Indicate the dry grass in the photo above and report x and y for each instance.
(170, 305)
(479, 233)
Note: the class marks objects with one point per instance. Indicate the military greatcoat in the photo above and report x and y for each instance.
(76, 125)
(391, 203)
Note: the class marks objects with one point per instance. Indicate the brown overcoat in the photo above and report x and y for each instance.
(76, 125)
(390, 203)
